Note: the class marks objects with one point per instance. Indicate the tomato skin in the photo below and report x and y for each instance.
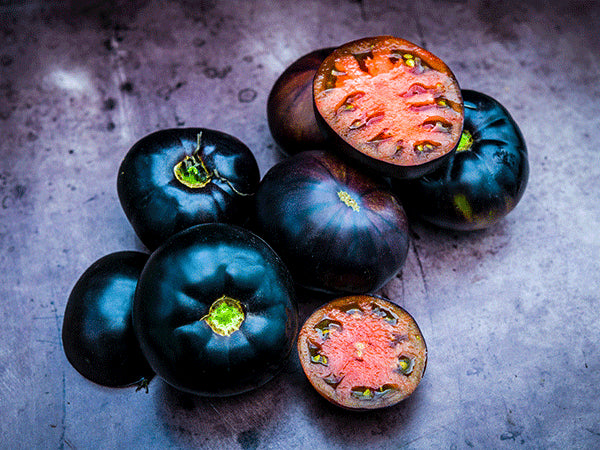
(290, 110)
(181, 281)
(338, 230)
(97, 332)
(158, 205)
(477, 187)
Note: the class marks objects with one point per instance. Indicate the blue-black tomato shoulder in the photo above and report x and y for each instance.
(483, 180)
(97, 332)
(173, 179)
(215, 311)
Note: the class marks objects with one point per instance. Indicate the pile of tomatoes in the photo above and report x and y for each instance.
(369, 128)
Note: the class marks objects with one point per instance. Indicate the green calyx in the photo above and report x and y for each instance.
(348, 200)
(191, 170)
(225, 316)
(466, 141)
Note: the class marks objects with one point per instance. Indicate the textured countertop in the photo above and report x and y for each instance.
(510, 314)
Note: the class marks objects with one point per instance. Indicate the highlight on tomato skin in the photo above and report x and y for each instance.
(391, 104)
(362, 352)
(290, 112)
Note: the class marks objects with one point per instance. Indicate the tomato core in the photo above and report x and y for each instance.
(225, 316)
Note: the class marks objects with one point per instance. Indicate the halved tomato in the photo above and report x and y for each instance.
(393, 105)
(362, 352)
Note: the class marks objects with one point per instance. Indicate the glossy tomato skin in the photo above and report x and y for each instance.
(97, 332)
(337, 229)
(290, 111)
(181, 281)
(158, 205)
(480, 185)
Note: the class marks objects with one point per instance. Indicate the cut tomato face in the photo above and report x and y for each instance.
(395, 105)
(362, 352)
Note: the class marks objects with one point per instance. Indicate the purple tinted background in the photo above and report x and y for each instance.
(510, 314)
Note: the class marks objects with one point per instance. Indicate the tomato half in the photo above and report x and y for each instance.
(290, 111)
(362, 352)
(97, 332)
(483, 180)
(391, 104)
(215, 311)
(173, 179)
(337, 229)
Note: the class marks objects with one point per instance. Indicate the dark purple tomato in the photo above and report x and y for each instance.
(215, 311)
(97, 333)
(290, 110)
(337, 229)
(173, 179)
(362, 352)
(483, 180)
(390, 104)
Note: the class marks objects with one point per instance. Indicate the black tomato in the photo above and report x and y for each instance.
(483, 180)
(173, 179)
(362, 352)
(390, 104)
(215, 311)
(337, 229)
(290, 111)
(97, 333)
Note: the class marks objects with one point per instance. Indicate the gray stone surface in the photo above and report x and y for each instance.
(510, 314)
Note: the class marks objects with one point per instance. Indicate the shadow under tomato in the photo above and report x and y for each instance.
(374, 428)
(223, 422)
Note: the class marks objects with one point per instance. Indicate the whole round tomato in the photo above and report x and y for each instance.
(290, 110)
(97, 332)
(337, 229)
(173, 179)
(483, 180)
(390, 104)
(215, 312)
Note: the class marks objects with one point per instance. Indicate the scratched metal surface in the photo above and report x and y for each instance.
(510, 314)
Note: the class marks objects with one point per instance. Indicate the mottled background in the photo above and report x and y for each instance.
(510, 314)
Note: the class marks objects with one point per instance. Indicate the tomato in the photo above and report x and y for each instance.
(173, 179)
(337, 229)
(215, 311)
(483, 181)
(290, 111)
(97, 332)
(392, 105)
(362, 352)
